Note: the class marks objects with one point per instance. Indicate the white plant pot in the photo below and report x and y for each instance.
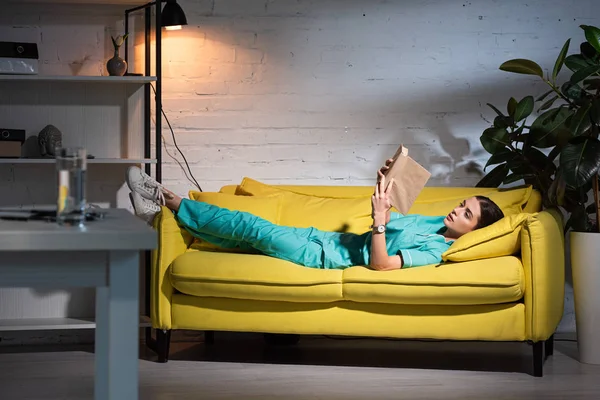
(585, 264)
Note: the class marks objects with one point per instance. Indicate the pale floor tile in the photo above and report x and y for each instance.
(241, 367)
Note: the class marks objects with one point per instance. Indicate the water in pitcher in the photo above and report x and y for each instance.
(71, 169)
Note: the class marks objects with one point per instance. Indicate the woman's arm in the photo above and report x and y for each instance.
(380, 203)
(380, 260)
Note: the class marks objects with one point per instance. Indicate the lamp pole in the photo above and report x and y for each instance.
(147, 87)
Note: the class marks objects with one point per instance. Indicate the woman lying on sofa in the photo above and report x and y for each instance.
(396, 241)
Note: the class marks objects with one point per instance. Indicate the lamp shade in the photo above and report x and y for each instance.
(173, 15)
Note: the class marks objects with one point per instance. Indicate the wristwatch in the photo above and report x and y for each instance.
(378, 228)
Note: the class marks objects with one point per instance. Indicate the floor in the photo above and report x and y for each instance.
(241, 366)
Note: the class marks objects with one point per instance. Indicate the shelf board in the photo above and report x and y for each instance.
(90, 161)
(80, 79)
(90, 2)
(43, 324)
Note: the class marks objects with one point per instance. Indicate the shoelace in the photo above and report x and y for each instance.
(159, 197)
(158, 194)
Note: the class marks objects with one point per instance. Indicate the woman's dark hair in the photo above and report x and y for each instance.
(490, 212)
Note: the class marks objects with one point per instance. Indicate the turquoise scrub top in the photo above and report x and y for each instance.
(417, 238)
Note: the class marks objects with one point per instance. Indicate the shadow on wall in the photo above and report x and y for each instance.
(443, 131)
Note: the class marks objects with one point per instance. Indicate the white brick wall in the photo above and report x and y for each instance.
(322, 91)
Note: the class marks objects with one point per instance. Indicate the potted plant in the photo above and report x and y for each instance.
(558, 153)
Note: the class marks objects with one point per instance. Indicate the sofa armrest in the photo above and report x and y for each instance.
(173, 240)
(542, 251)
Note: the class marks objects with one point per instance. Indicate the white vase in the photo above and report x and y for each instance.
(585, 264)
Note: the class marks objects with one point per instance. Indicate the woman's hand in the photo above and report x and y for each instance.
(385, 168)
(380, 201)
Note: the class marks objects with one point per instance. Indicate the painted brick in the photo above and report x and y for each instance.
(249, 56)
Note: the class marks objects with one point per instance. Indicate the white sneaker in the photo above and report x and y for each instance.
(143, 184)
(144, 208)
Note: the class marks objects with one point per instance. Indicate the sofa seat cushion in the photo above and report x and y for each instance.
(489, 281)
(253, 277)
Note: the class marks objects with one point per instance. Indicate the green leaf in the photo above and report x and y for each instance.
(592, 84)
(580, 160)
(517, 135)
(592, 34)
(524, 108)
(539, 160)
(499, 157)
(519, 165)
(494, 139)
(588, 51)
(542, 97)
(584, 73)
(544, 130)
(571, 90)
(581, 120)
(548, 103)
(575, 62)
(511, 107)
(595, 111)
(495, 109)
(502, 122)
(519, 138)
(522, 66)
(494, 178)
(579, 220)
(554, 153)
(560, 60)
(516, 177)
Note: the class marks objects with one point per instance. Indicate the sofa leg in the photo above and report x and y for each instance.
(163, 340)
(209, 337)
(150, 341)
(538, 358)
(549, 347)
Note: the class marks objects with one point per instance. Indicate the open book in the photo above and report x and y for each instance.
(409, 180)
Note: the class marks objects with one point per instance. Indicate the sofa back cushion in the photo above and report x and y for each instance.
(432, 201)
(510, 202)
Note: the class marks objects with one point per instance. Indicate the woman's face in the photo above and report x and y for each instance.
(463, 218)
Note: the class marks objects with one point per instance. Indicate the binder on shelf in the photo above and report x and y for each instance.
(19, 58)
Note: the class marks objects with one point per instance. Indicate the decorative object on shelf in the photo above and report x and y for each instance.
(18, 58)
(49, 139)
(117, 66)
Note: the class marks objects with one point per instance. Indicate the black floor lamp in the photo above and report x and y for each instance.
(170, 17)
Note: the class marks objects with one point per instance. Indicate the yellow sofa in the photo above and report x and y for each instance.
(501, 283)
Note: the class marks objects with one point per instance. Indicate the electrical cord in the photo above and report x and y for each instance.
(195, 182)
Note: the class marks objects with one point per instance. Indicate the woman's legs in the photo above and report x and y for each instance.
(299, 245)
(224, 227)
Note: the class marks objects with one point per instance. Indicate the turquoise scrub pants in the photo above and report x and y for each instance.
(236, 229)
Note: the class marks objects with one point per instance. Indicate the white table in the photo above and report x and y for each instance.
(105, 255)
